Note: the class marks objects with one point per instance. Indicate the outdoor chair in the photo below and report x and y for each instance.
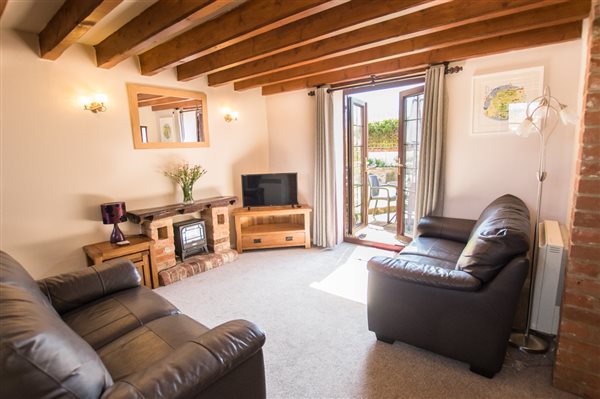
(385, 192)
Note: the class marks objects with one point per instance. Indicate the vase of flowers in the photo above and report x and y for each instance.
(186, 175)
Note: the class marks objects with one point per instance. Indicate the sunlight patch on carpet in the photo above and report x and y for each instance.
(349, 280)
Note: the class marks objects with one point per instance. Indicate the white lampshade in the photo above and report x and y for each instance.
(566, 117)
(525, 128)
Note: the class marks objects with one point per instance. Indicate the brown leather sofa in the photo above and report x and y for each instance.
(98, 333)
(454, 290)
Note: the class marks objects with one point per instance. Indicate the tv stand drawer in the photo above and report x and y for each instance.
(283, 239)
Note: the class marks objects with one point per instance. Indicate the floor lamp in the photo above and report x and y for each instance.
(542, 115)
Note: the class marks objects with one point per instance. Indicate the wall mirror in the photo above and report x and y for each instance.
(167, 118)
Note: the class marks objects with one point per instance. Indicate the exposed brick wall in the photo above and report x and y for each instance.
(577, 367)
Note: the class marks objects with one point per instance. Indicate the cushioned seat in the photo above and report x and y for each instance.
(436, 248)
(114, 315)
(96, 333)
(454, 290)
(150, 343)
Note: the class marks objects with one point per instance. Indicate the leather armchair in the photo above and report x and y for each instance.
(454, 289)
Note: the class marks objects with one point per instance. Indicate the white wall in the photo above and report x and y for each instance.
(292, 121)
(480, 168)
(60, 162)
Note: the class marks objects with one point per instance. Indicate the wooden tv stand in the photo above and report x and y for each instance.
(272, 227)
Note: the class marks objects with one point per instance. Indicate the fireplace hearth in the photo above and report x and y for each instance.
(157, 223)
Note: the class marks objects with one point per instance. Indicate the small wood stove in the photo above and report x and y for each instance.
(190, 238)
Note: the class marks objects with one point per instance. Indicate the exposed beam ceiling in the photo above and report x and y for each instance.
(533, 19)
(243, 22)
(354, 14)
(283, 45)
(459, 52)
(156, 23)
(70, 22)
(423, 22)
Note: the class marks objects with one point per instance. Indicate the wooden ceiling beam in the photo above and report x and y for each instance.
(541, 18)
(182, 104)
(161, 101)
(152, 26)
(427, 21)
(354, 14)
(515, 41)
(249, 19)
(72, 20)
(2, 6)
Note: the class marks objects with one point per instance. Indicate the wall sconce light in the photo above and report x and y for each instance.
(96, 104)
(230, 115)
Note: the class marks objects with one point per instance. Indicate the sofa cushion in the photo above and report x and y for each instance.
(12, 273)
(501, 232)
(71, 290)
(114, 315)
(435, 248)
(148, 344)
(40, 356)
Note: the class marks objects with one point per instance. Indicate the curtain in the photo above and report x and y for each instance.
(324, 226)
(179, 133)
(430, 184)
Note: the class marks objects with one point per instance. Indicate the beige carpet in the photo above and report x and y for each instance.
(310, 303)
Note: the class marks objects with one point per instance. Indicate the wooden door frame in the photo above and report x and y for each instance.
(347, 92)
(402, 161)
(349, 173)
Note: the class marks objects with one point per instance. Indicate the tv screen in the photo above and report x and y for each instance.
(270, 189)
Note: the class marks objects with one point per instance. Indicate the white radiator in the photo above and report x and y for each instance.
(548, 288)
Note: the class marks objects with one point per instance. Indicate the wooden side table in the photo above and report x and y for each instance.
(139, 251)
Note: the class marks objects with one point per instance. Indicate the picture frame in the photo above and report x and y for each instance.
(166, 129)
(493, 93)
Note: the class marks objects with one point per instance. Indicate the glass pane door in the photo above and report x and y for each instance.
(357, 165)
(411, 115)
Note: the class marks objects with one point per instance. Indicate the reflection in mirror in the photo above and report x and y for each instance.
(167, 118)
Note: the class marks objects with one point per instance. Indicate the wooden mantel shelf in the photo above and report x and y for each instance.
(150, 214)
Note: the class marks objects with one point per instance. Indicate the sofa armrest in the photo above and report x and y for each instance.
(195, 365)
(448, 228)
(70, 290)
(429, 275)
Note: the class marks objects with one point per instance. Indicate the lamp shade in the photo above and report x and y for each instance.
(113, 212)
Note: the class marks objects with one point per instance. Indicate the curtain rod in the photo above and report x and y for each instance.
(374, 80)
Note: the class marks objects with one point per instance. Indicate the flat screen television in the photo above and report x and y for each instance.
(270, 189)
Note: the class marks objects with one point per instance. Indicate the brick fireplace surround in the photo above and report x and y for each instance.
(577, 367)
(157, 223)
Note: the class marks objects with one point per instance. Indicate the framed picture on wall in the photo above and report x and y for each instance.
(166, 129)
(493, 93)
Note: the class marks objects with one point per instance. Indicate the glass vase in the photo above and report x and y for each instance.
(187, 193)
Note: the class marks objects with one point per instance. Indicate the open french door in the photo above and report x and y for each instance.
(409, 140)
(357, 186)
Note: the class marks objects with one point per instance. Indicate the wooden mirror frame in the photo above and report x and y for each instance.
(132, 94)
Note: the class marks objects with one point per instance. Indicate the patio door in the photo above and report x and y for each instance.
(357, 186)
(409, 140)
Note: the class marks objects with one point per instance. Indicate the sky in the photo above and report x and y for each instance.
(381, 104)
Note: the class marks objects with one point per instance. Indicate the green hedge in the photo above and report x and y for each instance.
(383, 134)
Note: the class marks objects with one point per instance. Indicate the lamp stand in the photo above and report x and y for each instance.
(526, 341)
(117, 235)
